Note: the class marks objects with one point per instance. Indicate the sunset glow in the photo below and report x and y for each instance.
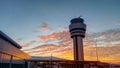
(106, 52)
(41, 27)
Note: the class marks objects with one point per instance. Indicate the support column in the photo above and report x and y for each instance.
(10, 64)
(28, 64)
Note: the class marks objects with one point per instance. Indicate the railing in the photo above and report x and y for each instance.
(67, 64)
(10, 61)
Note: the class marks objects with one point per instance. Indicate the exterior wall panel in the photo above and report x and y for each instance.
(9, 49)
(1, 47)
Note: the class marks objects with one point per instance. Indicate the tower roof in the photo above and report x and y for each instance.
(77, 20)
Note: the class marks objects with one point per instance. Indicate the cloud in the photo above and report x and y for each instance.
(48, 49)
(64, 44)
(19, 39)
(108, 44)
(56, 36)
(26, 45)
(44, 27)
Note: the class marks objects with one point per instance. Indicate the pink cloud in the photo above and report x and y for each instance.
(28, 44)
(65, 47)
(60, 36)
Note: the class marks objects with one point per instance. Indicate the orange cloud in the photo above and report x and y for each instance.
(55, 36)
(108, 46)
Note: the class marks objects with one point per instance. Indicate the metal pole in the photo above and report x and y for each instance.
(28, 64)
(10, 64)
(96, 51)
(51, 60)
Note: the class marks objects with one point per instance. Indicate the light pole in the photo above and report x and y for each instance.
(96, 50)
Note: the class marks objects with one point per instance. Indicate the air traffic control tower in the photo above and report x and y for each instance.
(77, 31)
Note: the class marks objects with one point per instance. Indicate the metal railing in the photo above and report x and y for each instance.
(10, 61)
(67, 64)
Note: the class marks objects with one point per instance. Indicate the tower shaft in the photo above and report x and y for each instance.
(78, 48)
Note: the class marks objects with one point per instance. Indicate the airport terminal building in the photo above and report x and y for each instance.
(10, 54)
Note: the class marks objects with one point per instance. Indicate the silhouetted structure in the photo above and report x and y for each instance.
(10, 55)
(77, 31)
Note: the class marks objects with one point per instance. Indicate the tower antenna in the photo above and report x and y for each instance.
(80, 16)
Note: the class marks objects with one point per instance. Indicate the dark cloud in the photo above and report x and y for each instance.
(44, 27)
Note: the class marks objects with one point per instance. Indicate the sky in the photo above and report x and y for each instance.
(34, 23)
